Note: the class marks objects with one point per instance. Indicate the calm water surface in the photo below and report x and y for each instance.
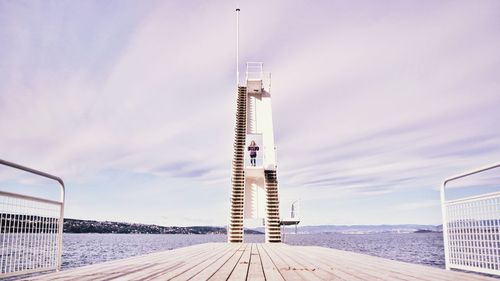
(85, 249)
(421, 248)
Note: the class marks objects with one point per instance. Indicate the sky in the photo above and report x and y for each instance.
(132, 103)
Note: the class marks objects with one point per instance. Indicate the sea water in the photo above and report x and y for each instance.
(419, 248)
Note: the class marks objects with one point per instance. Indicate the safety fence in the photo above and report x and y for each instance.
(471, 229)
(30, 230)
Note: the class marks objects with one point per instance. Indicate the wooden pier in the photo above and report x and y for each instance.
(224, 261)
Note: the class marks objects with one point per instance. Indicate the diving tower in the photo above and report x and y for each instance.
(254, 193)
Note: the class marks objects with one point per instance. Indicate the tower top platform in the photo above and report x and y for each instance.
(257, 81)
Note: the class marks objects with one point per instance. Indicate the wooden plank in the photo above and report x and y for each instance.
(161, 264)
(255, 271)
(227, 268)
(166, 264)
(216, 266)
(164, 268)
(107, 269)
(363, 264)
(341, 272)
(306, 273)
(309, 263)
(184, 264)
(360, 266)
(271, 272)
(282, 267)
(192, 272)
(390, 268)
(350, 271)
(240, 271)
(188, 263)
(221, 261)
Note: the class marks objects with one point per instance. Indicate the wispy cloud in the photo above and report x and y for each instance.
(420, 205)
(371, 100)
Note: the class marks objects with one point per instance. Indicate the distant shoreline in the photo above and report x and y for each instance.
(92, 226)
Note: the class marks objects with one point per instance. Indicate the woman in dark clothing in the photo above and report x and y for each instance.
(253, 148)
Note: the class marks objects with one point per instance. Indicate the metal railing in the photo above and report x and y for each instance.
(259, 161)
(471, 229)
(255, 71)
(31, 229)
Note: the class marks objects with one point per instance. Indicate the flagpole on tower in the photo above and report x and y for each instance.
(237, 46)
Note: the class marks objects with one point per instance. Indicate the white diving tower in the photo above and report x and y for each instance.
(254, 193)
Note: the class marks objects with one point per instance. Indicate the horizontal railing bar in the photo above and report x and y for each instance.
(29, 271)
(469, 173)
(31, 198)
(474, 268)
(33, 171)
(473, 198)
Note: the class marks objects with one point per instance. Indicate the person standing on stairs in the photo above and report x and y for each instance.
(253, 148)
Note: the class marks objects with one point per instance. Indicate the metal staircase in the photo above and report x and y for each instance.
(235, 229)
(273, 231)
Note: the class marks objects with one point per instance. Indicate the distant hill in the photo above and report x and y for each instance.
(90, 226)
(364, 229)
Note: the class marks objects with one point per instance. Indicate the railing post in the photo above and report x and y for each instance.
(445, 226)
(61, 227)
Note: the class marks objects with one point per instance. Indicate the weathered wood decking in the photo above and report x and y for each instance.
(222, 261)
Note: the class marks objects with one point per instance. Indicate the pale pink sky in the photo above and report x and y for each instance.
(132, 103)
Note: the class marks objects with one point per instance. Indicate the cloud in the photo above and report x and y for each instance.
(419, 205)
(369, 100)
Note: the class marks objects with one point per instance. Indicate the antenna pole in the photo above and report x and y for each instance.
(237, 46)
